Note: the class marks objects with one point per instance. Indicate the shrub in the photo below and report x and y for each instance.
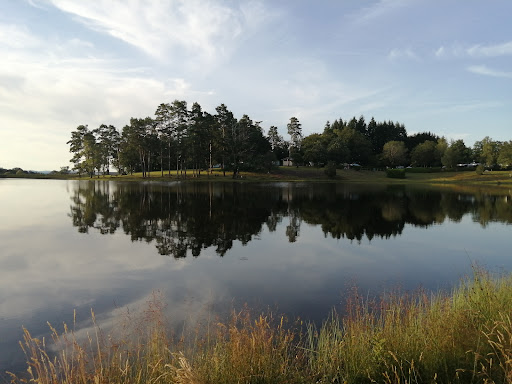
(330, 169)
(395, 173)
(480, 169)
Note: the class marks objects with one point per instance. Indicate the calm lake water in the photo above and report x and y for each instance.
(295, 248)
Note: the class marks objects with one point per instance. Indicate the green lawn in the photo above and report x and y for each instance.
(494, 178)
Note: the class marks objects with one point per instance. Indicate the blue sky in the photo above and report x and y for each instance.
(439, 66)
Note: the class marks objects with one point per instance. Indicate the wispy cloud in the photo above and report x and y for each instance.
(504, 49)
(486, 71)
(407, 53)
(477, 50)
(456, 50)
(379, 9)
(205, 31)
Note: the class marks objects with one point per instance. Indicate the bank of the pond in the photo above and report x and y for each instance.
(312, 174)
(461, 337)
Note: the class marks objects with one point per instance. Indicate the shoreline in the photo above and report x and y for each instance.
(497, 180)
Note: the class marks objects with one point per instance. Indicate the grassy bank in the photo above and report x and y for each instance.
(304, 174)
(461, 337)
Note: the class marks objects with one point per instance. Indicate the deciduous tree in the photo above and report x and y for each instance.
(360, 150)
(314, 147)
(505, 155)
(394, 153)
(487, 151)
(455, 154)
(425, 154)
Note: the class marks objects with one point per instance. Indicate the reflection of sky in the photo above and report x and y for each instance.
(47, 268)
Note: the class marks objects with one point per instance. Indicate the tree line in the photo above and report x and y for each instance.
(192, 140)
(176, 138)
(388, 144)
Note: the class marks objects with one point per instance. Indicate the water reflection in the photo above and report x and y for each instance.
(183, 219)
(279, 242)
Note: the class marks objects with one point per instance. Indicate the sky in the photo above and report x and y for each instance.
(443, 66)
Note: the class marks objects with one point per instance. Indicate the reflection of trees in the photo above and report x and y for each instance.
(293, 228)
(91, 209)
(424, 207)
(179, 218)
(492, 208)
(352, 212)
(184, 219)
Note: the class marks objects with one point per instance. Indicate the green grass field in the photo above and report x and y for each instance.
(293, 174)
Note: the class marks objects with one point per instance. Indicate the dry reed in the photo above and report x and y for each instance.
(462, 337)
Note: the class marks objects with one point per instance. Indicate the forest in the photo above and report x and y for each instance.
(195, 141)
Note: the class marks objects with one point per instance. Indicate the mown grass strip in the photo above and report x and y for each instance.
(312, 174)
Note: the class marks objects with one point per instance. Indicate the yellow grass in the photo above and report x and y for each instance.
(461, 337)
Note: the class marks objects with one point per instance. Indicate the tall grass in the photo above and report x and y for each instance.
(461, 337)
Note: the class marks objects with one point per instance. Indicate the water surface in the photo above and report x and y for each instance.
(208, 247)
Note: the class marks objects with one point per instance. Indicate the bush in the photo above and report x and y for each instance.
(395, 173)
(480, 169)
(330, 169)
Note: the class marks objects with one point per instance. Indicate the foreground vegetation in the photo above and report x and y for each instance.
(462, 337)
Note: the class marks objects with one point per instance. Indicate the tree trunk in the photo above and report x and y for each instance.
(177, 165)
(210, 168)
(149, 164)
(169, 157)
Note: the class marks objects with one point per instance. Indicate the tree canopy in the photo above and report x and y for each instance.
(190, 139)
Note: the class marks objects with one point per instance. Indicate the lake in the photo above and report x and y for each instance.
(293, 248)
